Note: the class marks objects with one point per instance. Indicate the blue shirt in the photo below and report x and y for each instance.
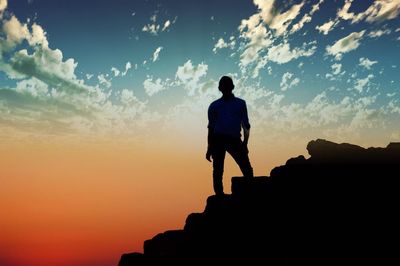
(227, 116)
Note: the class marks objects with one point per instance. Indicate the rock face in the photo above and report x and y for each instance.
(338, 207)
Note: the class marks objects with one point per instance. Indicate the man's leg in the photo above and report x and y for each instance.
(218, 157)
(239, 153)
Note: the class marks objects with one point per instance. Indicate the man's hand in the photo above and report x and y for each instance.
(208, 155)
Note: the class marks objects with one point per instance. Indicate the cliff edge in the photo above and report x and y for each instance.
(337, 207)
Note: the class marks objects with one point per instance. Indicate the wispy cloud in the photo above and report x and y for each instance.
(345, 45)
(190, 75)
(288, 81)
(379, 33)
(152, 87)
(155, 27)
(327, 26)
(156, 53)
(361, 84)
(366, 63)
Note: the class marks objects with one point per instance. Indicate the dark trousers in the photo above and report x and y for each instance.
(236, 148)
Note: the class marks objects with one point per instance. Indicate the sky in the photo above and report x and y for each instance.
(103, 108)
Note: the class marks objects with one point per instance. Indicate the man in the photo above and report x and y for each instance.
(226, 117)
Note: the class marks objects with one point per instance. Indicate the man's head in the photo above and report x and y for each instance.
(226, 85)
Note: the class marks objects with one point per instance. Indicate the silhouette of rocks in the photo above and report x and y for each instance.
(337, 207)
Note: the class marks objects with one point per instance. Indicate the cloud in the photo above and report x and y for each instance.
(258, 39)
(189, 75)
(288, 81)
(128, 66)
(155, 28)
(151, 28)
(152, 87)
(378, 11)
(219, 45)
(345, 45)
(360, 84)
(157, 53)
(336, 71)
(15, 31)
(222, 44)
(277, 21)
(366, 63)
(3, 6)
(166, 25)
(336, 68)
(115, 71)
(280, 22)
(327, 26)
(306, 18)
(103, 80)
(282, 53)
(379, 33)
(265, 28)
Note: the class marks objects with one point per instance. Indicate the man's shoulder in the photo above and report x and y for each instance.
(240, 100)
(215, 103)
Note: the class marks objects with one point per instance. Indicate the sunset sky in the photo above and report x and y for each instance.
(103, 108)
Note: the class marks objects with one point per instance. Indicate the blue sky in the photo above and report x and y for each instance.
(327, 67)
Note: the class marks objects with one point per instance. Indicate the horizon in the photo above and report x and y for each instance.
(103, 108)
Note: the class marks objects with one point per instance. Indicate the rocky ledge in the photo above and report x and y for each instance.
(337, 207)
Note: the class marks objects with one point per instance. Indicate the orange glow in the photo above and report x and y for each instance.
(75, 204)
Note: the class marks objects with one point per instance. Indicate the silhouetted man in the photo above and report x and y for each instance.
(226, 117)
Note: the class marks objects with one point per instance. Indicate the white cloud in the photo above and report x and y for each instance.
(327, 26)
(49, 98)
(379, 33)
(121, 73)
(315, 7)
(3, 6)
(156, 53)
(190, 75)
(336, 71)
(336, 68)
(33, 87)
(166, 25)
(128, 66)
(258, 39)
(345, 45)
(306, 18)
(155, 28)
(273, 18)
(219, 45)
(378, 11)
(281, 53)
(103, 80)
(344, 14)
(152, 87)
(15, 31)
(151, 28)
(115, 71)
(365, 62)
(38, 36)
(360, 84)
(222, 44)
(281, 21)
(288, 81)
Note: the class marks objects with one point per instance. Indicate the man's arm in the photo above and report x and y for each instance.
(210, 144)
(246, 135)
(246, 127)
(210, 133)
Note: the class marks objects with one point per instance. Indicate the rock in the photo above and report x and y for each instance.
(337, 207)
